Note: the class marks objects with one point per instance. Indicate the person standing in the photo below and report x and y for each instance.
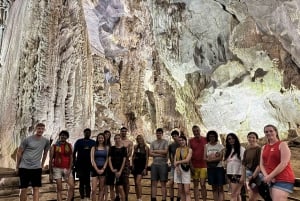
(140, 160)
(213, 154)
(82, 161)
(276, 166)
(233, 157)
(30, 160)
(182, 175)
(116, 160)
(128, 144)
(99, 159)
(251, 165)
(171, 152)
(198, 164)
(159, 167)
(107, 135)
(60, 165)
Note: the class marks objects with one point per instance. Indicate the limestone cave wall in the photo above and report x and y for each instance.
(227, 65)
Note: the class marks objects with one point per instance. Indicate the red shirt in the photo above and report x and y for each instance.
(62, 155)
(197, 145)
(271, 158)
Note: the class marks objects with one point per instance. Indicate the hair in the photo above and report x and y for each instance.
(236, 146)
(253, 133)
(159, 130)
(40, 125)
(214, 133)
(174, 132)
(195, 127)
(275, 129)
(143, 143)
(184, 138)
(123, 128)
(107, 141)
(87, 130)
(97, 141)
(117, 135)
(64, 132)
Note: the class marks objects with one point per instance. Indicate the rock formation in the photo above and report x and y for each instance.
(226, 65)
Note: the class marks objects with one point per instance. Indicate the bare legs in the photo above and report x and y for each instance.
(59, 188)
(138, 186)
(185, 194)
(218, 193)
(23, 194)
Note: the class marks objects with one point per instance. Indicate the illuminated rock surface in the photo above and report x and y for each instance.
(225, 65)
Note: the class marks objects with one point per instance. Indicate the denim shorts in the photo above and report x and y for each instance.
(284, 186)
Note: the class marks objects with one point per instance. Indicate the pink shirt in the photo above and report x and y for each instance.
(197, 145)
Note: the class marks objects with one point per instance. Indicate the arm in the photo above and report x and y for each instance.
(147, 157)
(261, 163)
(205, 154)
(44, 157)
(130, 146)
(51, 157)
(110, 164)
(19, 157)
(93, 158)
(74, 153)
(186, 160)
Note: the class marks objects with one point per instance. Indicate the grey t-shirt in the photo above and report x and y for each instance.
(159, 145)
(33, 150)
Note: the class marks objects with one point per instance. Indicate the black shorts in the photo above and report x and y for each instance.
(30, 177)
(234, 178)
(112, 180)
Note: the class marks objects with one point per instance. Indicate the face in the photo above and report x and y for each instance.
(63, 137)
(39, 130)
(211, 138)
(175, 138)
(182, 142)
(252, 139)
(100, 139)
(87, 135)
(139, 140)
(196, 132)
(123, 132)
(117, 139)
(159, 134)
(270, 133)
(107, 135)
(230, 140)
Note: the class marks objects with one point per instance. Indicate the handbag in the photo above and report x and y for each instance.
(185, 167)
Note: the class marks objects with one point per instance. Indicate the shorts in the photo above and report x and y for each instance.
(182, 177)
(284, 186)
(159, 172)
(94, 173)
(30, 177)
(59, 173)
(216, 176)
(112, 180)
(171, 173)
(234, 178)
(199, 173)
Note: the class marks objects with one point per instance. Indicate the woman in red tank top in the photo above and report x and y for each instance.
(275, 165)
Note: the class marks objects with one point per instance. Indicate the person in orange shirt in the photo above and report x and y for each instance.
(198, 164)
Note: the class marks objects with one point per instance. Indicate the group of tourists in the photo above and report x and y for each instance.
(103, 167)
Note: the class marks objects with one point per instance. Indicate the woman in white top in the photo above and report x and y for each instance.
(233, 157)
(213, 154)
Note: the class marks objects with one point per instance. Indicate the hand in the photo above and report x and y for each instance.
(118, 174)
(17, 171)
(267, 179)
(145, 172)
